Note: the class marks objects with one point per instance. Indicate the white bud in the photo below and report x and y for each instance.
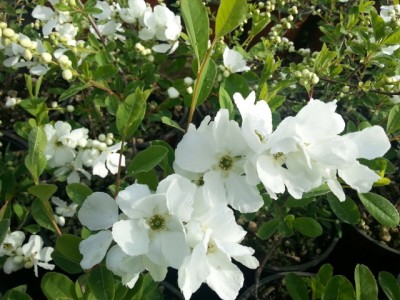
(70, 108)
(110, 135)
(82, 142)
(109, 141)
(67, 75)
(226, 73)
(101, 137)
(188, 80)
(103, 146)
(173, 92)
(189, 90)
(27, 54)
(63, 60)
(8, 32)
(26, 43)
(150, 58)
(46, 57)
(54, 104)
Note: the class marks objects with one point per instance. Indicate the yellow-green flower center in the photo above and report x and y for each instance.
(156, 222)
(225, 163)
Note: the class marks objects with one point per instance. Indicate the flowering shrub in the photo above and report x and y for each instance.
(149, 129)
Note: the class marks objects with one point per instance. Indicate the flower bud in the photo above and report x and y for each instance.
(70, 108)
(67, 75)
(46, 57)
(8, 32)
(173, 93)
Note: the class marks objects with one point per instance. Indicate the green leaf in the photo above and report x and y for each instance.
(325, 273)
(168, 121)
(16, 294)
(231, 13)
(148, 290)
(147, 159)
(4, 227)
(339, 288)
(236, 83)
(131, 112)
(168, 161)
(68, 255)
(43, 191)
(307, 226)
(366, 287)
(150, 178)
(195, 16)
(292, 202)
(101, 283)
(378, 25)
(266, 230)
(43, 214)
(319, 191)
(105, 72)
(72, 90)
(389, 285)
(347, 211)
(78, 192)
(381, 209)
(36, 160)
(206, 81)
(393, 38)
(393, 123)
(296, 287)
(225, 101)
(56, 285)
(8, 183)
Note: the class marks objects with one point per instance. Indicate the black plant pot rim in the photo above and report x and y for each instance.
(376, 242)
(308, 264)
(249, 292)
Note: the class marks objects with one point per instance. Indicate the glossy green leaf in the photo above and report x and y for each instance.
(168, 121)
(4, 227)
(16, 294)
(339, 288)
(266, 230)
(323, 189)
(43, 214)
(148, 290)
(36, 160)
(105, 72)
(225, 101)
(381, 209)
(56, 286)
(236, 83)
(231, 13)
(66, 254)
(296, 287)
(206, 81)
(307, 226)
(131, 112)
(366, 287)
(78, 192)
(347, 211)
(325, 273)
(149, 178)
(393, 38)
(292, 202)
(7, 187)
(43, 191)
(390, 285)
(72, 90)
(147, 159)
(393, 123)
(195, 16)
(101, 283)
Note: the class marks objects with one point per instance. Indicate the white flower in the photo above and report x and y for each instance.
(234, 61)
(98, 212)
(35, 255)
(63, 209)
(218, 152)
(134, 12)
(11, 243)
(108, 161)
(215, 237)
(154, 226)
(389, 12)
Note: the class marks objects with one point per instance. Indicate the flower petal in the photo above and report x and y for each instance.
(94, 248)
(132, 236)
(99, 211)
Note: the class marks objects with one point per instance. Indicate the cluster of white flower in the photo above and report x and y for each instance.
(20, 51)
(188, 223)
(69, 150)
(158, 23)
(31, 254)
(233, 61)
(390, 14)
(176, 226)
(63, 210)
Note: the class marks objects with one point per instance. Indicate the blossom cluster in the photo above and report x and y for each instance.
(61, 31)
(70, 150)
(188, 223)
(28, 255)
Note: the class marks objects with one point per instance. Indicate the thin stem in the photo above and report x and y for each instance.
(262, 265)
(118, 180)
(196, 89)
